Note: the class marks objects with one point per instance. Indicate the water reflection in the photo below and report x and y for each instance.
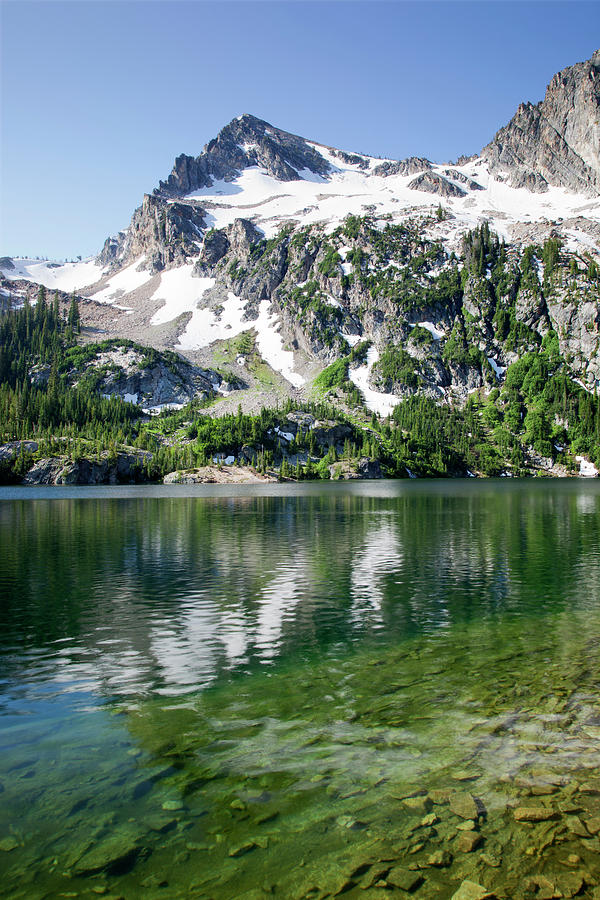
(170, 595)
(281, 668)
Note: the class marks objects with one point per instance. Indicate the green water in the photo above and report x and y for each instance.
(300, 692)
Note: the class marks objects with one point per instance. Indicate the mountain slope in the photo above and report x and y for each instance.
(390, 270)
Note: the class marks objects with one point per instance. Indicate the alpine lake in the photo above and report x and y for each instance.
(374, 690)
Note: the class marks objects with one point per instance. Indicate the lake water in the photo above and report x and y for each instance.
(300, 691)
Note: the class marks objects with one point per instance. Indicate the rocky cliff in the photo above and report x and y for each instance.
(556, 141)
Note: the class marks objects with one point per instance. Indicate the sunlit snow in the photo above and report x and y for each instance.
(180, 293)
(498, 370)
(350, 189)
(430, 327)
(376, 401)
(123, 282)
(204, 327)
(67, 277)
(586, 468)
(270, 345)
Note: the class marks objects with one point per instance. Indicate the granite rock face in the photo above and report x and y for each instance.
(246, 141)
(166, 234)
(556, 141)
(150, 379)
(433, 183)
(122, 468)
(409, 166)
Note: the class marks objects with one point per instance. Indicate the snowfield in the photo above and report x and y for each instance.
(376, 401)
(180, 292)
(61, 276)
(124, 282)
(205, 327)
(350, 189)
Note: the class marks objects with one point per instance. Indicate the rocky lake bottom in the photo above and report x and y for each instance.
(340, 691)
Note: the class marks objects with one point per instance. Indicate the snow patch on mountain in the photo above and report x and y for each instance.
(270, 345)
(436, 334)
(70, 276)
(124, 282)
(376, 401)
(208, 325)
(352, 188)
(180, 293)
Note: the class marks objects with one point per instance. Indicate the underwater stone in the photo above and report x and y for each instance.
(116, 854)
(490, 859)
(533, 813)
(540, 887)
(9, 843)
(593, 825)
(440, 859)
(468, 841)
(159, 823)
(441, 796)
(467, 825)
(543, 790)
(428, 821)
(376, 876)
(465, 776)
(399, 877)
(464, 805)
(243, 849)
(569, 884)
(172, 805)
(469, 890)
(590, 787)
(576, 826)
(418, 804)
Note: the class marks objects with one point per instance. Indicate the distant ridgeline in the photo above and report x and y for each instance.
(60, 400)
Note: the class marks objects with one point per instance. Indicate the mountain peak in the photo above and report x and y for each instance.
(244, 142)
(557, 141)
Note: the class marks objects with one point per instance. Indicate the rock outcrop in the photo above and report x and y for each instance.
(218, 475)
(165, 234)
(363, 469)
(119, 468)
(556, 141)
(145, 376)
(433, 183)
(409, 166)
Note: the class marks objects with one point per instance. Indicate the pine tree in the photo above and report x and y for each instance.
(74, 317)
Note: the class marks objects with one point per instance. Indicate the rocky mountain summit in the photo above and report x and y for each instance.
(246, 141)
(556, 141)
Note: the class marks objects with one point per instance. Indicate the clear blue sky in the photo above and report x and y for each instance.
(99, 97)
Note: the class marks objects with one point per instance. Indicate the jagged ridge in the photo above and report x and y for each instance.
(556, 141)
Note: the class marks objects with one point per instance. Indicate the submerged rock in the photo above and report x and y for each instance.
(440, 859)
(468, 841)
(405, 879)
(115, 855)
(464, 805)
(469, 890)
(534, 813)
(9, 843)
(418, 804)
(242, 849)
